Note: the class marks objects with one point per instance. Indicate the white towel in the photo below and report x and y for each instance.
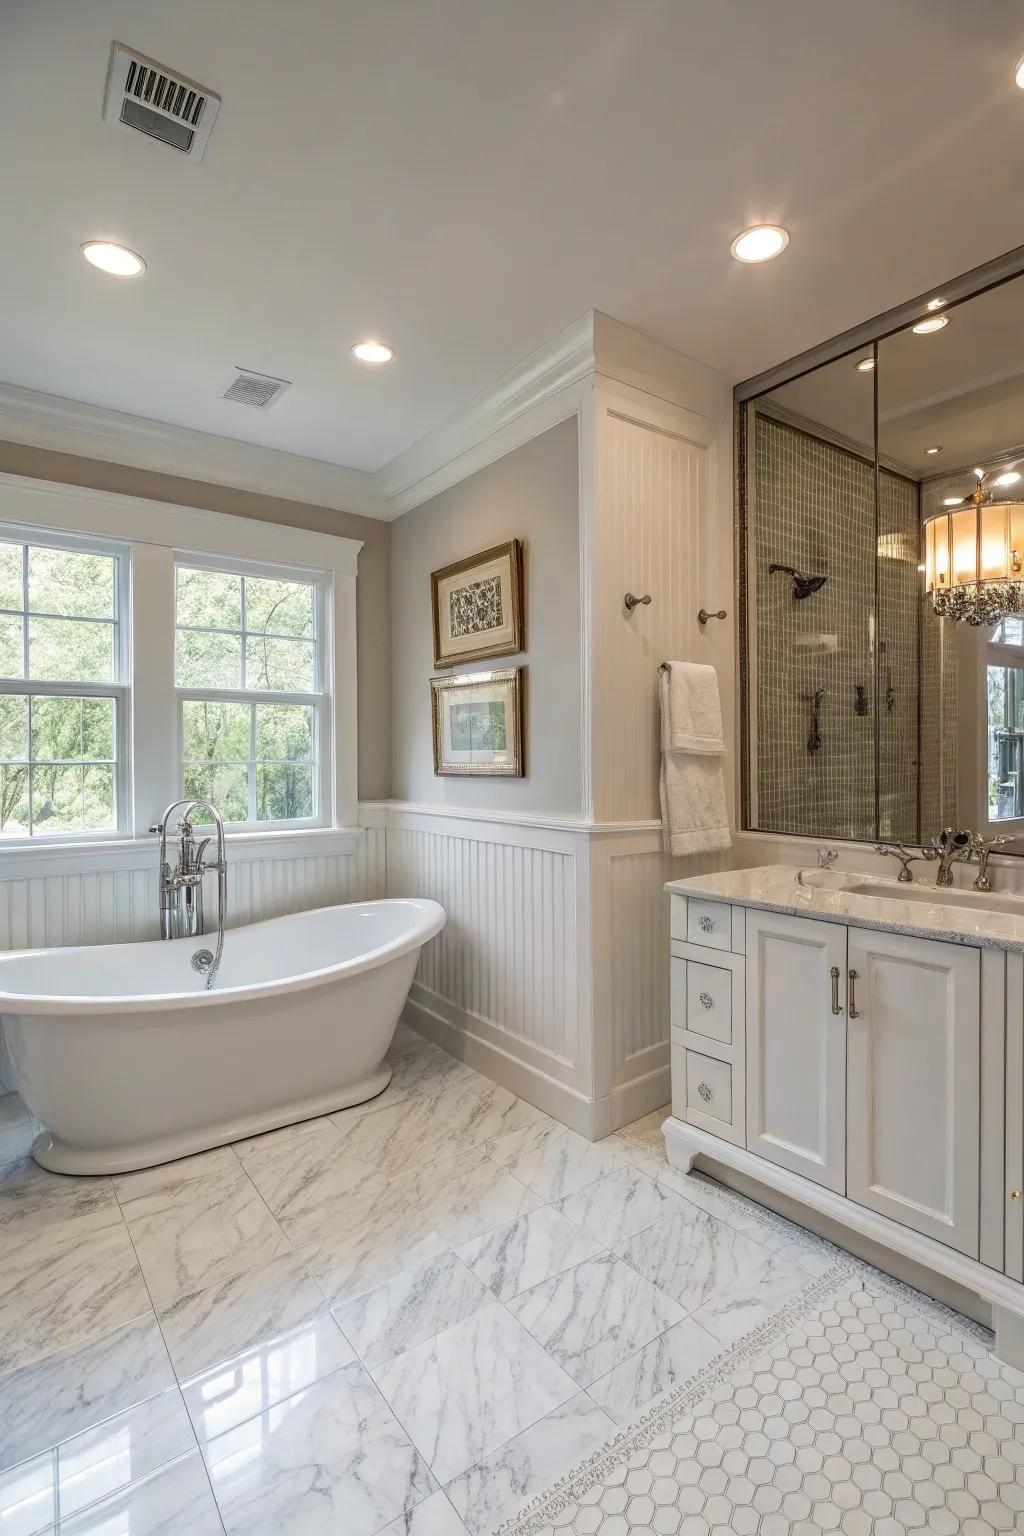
(694, 817)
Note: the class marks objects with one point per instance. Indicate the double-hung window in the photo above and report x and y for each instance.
(251, 678)
(63, 685)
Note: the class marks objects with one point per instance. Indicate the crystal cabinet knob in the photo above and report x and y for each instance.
(704, 1089)
(706, 1000)
(705, 924)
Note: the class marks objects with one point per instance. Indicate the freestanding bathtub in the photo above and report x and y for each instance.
(128, 1061)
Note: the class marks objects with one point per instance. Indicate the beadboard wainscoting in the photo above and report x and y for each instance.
(505, 986)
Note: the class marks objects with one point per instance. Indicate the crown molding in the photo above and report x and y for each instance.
(538, 393)
(70, 426)
(547, 387)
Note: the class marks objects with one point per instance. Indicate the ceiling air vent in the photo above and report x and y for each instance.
(154, 100)
(259, 390)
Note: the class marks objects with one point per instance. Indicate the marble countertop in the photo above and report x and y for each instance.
(877, 903)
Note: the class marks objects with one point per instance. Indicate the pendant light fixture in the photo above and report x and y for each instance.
(974, 554)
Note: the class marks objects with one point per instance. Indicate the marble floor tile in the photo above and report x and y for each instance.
(28, 1497)
(736, 1211)
(53, 1399)
(425, 1070)
(745, 1302)
(620, 1205)
(379, 1237)
(515, 1257)
(250, 1144)
(191, 1235)
(467, 1391)
(309, 1181)
(202, 1328)
(332, 1458)
(477, 1200)
(391, 1138)
(666, 1363)
(637, 1154)
(58, 1290)
(121, 1450)
(492, 1491)
(594, 1316)
(32, 1198)
(477, 1111)
(183, 1170)
(691, 1255)
(176, 1501)
(253, 1381)
(413, 1306)
(554, 1160)
(434, 1517)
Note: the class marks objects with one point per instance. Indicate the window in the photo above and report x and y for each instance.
(1005, 700)
(62, 686)
(250, 675)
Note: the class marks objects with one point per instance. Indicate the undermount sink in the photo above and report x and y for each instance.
(831, 880)
(948, 896)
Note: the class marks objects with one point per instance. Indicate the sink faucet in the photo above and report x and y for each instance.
(982, 848)
(897, 851)
(181, 888)
(952, 846)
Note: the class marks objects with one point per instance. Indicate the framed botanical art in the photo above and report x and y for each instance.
(478, 723)
(478, 606)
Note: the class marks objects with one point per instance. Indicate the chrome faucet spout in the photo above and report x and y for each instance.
(181, 895)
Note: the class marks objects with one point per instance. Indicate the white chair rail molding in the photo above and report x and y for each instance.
(856, 1045)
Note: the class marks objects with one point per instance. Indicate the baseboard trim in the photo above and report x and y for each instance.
(521, 1078)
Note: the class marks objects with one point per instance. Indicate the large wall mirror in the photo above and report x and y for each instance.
(882, 589)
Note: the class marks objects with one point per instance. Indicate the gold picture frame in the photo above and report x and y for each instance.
(478, 724)
(477, 606)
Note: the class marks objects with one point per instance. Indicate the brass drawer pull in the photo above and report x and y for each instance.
(834, 973)
(706, 1000)
(853, 996)
(704, 1089)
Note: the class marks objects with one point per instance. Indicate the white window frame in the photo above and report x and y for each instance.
(319, 701)
(118, 689)
(151, 534)
(993, 653)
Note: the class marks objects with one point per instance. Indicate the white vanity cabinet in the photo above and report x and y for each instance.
(875, 1076)
(913, 1043)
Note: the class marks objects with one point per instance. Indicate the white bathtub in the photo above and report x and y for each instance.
(128, 1061)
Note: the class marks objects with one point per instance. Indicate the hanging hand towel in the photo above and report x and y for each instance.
(694, 817)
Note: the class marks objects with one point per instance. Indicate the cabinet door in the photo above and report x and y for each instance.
(796, 1045)
(913, 1076)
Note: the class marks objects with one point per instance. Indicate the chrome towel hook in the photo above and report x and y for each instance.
(632, 602)
(703, 615)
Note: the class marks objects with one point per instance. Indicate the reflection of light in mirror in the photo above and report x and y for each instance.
(935, 303)
(951, 501)
(936, 448)
(1018, 73)
(1010, 478)
(933, 323)
(865, 365)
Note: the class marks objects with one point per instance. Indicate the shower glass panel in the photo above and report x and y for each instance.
(811, 538)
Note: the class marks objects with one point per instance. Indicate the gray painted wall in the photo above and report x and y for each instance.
(531, 494)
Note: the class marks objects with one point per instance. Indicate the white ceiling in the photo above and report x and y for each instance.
(466, 177)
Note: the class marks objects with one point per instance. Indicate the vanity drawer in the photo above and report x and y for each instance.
(709, 1001)
(709, 923)
(704, 1093)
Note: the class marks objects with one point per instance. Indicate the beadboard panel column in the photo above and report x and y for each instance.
(501, 986)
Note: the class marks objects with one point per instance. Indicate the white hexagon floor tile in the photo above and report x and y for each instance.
(873, 1412)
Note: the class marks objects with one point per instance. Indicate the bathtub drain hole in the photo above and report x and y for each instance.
(201, 961)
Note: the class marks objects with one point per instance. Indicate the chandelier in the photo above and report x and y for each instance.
(974, 556)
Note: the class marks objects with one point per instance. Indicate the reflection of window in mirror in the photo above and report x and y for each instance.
(1004, 735)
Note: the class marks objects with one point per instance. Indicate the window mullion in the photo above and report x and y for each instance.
(252, 754)
(24, 616)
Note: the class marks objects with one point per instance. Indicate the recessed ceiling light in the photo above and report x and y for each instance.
(1018, 72)
(1010, 478)
(951, 501)
(373, 351)
(933, 323)
(116, 259)
(760, 243)
(935, 303)
(936, 448)
(865, 365)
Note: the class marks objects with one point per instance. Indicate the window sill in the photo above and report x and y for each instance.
(26, 861)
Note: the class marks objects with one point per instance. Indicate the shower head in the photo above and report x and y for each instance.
(803, 586)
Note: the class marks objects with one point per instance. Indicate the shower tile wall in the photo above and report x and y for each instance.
(813, 508)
